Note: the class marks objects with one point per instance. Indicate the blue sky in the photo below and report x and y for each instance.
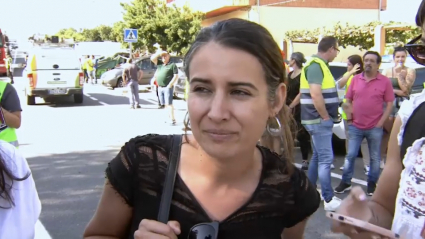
(22, 18)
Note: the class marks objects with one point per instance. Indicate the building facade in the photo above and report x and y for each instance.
(280, 16)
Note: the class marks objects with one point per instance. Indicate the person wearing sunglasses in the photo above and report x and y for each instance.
(398, 201)
(226, 186)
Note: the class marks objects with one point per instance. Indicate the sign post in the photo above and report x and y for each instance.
(131, 36)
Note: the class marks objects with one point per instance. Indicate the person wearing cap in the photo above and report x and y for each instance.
(166, 76)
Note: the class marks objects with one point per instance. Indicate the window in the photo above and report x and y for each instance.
(145, 64)
(338, 71)
(1, 40)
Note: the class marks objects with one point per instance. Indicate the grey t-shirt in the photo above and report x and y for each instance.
(10, 99)
(132, 71)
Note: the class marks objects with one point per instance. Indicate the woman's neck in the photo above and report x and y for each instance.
(219, 171)
(296, 71)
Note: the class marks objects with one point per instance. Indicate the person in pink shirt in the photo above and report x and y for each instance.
(366, 96)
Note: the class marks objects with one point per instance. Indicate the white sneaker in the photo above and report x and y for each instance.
(342, 167)
(333, 204)
(382, 164)
(332, 166)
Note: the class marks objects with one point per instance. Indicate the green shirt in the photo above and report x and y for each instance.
(165, 73)
(314, 73)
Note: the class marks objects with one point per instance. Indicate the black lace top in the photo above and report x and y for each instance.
(280, 201)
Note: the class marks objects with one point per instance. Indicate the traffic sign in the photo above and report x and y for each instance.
(130, 35)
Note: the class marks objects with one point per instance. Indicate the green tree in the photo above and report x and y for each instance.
(105, 32)
(172, 27)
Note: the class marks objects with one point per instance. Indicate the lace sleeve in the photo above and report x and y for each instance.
(307, 199)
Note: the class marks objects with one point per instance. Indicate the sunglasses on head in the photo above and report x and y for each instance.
(204, 231)
(416, 50)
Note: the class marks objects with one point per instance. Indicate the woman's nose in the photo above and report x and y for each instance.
(219, 107)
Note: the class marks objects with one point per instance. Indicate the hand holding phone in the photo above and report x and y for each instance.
(355, 207)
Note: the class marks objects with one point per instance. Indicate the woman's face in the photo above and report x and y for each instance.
(400, 57)
(349, 66)
(291, 63)
(228, 101)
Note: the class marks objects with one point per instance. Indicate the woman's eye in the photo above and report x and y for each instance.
(200, 89)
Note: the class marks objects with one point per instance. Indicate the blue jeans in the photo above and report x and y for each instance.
(165, 95)
(355, 138)
(323, 156)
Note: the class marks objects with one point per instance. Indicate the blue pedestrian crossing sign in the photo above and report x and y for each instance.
(130, 35)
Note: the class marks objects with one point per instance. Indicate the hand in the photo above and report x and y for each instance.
(379, 124)
(355, 206)
(356, 67)
(403, 73)
(170, 86)
(153, 229)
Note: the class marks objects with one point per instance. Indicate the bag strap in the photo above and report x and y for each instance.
(414, 129)
(170, 178)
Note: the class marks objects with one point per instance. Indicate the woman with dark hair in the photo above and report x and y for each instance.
(402, 79)
(20, 206)
(226, 186)
(354, 67)
(398, 201)
(293, 101)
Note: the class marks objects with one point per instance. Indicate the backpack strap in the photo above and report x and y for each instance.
(414, 129)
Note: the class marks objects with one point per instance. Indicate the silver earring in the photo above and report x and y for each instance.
(276, 130)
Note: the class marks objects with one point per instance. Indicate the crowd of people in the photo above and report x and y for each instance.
(220, 182)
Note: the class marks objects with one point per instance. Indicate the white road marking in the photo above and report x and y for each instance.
(335, 175)
(93, 98)
(40, 231)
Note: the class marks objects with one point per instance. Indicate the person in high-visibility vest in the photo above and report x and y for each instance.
(8, 61)
(354, 67)
(11, 110)
(319, 109)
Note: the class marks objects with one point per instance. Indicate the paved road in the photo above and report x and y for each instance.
(68, 147)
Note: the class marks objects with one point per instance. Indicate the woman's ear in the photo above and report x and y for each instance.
(280, 99)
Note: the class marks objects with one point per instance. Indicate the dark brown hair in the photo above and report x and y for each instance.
(257, 41)
(5, 188)
(327, 43)
(356, 59)
(420, 15)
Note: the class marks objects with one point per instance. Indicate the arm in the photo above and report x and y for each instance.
(11, 107)
(175, 77)
(140, 75)
(295, 232)
(389, 99)
(318, 101)
(382, 203)
(124, 76)
(344, 79)
(295, 102)
(154, 57)
(406, 81)
(111, 218)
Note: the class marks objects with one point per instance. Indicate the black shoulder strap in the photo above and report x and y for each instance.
(170, 178)
(414, 129)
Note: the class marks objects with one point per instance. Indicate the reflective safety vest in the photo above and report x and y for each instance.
(309, 114)
(343, 115)
(8, 134)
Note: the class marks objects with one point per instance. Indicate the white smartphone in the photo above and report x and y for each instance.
(363, 225)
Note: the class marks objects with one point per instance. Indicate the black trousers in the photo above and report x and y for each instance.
(304, 140)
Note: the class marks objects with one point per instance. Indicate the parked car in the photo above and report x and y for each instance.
(113, 78)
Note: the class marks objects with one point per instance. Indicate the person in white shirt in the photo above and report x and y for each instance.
(20, 206)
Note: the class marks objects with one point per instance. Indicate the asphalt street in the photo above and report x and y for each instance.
(68, 147)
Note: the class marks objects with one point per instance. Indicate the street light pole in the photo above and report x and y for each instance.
(379, 10)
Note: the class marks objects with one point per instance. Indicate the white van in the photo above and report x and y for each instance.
(54, 71)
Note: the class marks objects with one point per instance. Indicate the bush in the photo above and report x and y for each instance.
(351, 35)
